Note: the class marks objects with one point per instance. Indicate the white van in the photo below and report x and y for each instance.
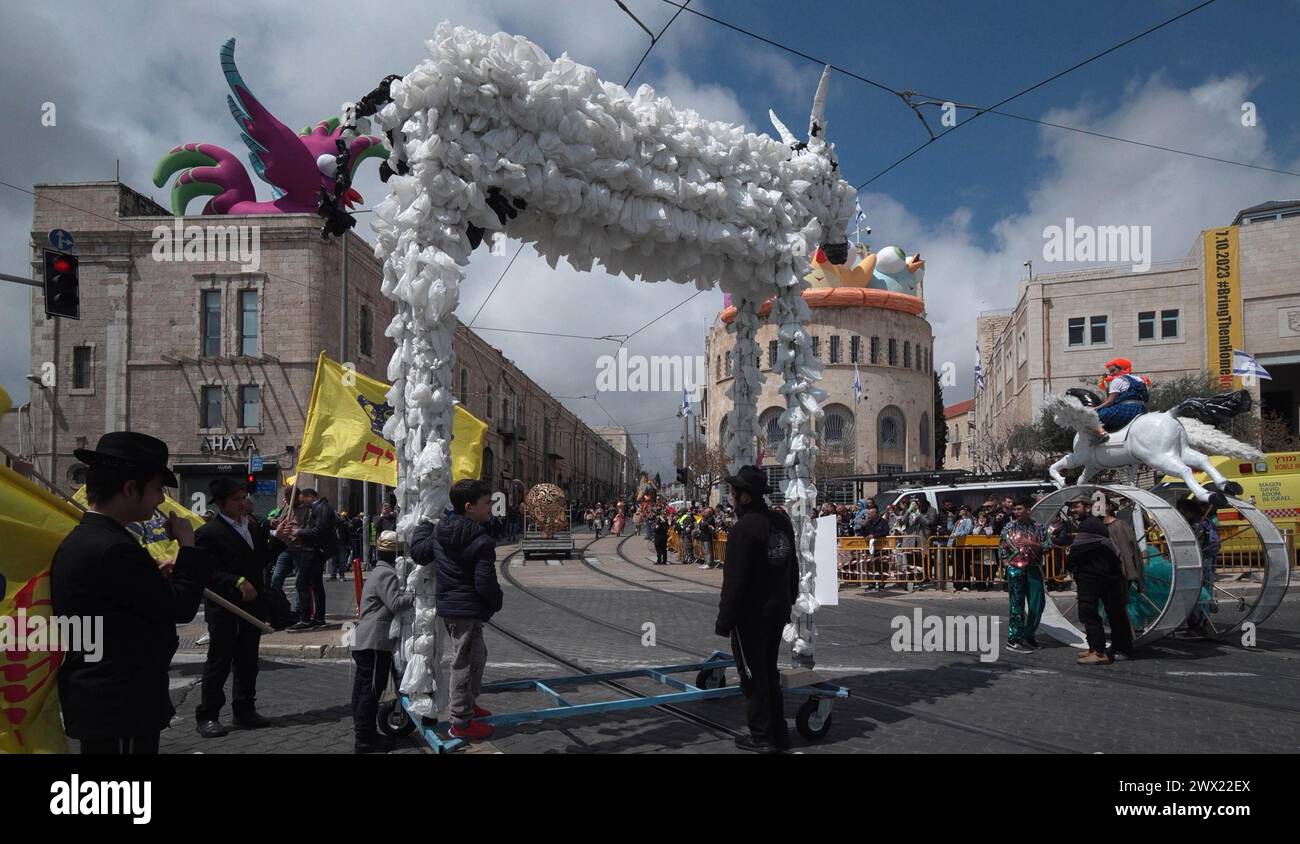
(972, 495)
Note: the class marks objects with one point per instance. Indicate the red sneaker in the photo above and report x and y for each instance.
(480, 712)
(475, 730)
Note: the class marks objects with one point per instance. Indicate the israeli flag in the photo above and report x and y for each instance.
(686, 403)
(857, 384)
(1247, 367)
(861, 214)
(979, 370)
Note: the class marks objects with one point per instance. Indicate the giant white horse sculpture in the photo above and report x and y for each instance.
(489, 133)
(1169, 441)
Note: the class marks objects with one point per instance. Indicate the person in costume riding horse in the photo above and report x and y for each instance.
(1126, 398)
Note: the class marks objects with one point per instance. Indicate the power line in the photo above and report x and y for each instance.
(661, 316)
(1036, 86)
(546, 333)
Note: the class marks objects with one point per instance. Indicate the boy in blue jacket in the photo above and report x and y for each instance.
(466, 594)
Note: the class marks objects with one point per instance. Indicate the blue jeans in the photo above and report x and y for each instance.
(342, 561)
(283, 565)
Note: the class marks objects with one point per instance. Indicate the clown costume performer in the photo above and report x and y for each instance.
(1022, 544)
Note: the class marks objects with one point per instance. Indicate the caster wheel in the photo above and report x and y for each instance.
(711, 678)
(809, 722)
(393, 720)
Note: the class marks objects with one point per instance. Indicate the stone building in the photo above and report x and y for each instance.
(213, 349)
(1065, 326)
(960, 419)
(889, 429)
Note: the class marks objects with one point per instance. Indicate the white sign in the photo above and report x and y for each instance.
(827, 591)
(1288, 322)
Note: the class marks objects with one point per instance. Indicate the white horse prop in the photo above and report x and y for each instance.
(1174, 442)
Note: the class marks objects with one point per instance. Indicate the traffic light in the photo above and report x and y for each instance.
(681, 476)
(250, 483)
(62, 286)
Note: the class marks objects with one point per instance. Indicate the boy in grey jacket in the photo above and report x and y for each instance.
(382, 598)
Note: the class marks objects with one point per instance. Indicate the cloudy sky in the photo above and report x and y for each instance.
(130, 80)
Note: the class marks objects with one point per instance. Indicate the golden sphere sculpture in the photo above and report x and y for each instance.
(545, 503)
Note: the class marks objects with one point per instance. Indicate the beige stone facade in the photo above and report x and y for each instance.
(160, 342)
(890, 429)
(1065, 326)
(960, 419)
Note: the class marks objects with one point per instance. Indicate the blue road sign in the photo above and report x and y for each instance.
(61, 240)
(266, 487)
(255, 463)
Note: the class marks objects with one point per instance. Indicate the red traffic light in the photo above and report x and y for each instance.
(62, 265)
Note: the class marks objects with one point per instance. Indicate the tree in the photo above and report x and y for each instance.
(940, 425)
(706, 467)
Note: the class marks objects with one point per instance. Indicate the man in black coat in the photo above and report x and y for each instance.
(760, 579)
(1099, 578)
(120, 704)
(238, 547)
(466, 594)
(320, 542)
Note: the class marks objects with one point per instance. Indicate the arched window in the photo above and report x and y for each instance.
(837, 425)
(769, 425)
(891, 429)
(927, 442)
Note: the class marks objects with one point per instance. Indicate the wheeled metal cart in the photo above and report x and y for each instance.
(812, 720)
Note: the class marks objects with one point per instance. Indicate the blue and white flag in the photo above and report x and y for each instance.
(861, 214)
(1245, 366)
(686, 403)
(857, 384)
(979, 370)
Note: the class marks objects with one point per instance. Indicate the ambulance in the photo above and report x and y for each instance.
(1272, 485)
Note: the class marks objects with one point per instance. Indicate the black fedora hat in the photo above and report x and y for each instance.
(129, 448)
(749, 478)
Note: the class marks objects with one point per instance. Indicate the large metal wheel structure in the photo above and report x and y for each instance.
(1177, 545)
(1250, 576)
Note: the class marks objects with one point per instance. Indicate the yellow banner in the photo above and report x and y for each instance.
(33, 522)
(1223, 325)
(343, 437)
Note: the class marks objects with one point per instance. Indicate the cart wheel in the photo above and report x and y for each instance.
(393, 720)
(711, 678)
(809, 721)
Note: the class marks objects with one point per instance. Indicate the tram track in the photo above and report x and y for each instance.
(925, 717)
(1135, 682)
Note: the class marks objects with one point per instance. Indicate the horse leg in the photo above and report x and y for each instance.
(1086, 475)
(1054, 471)
(1182, 470)
(1197, 460)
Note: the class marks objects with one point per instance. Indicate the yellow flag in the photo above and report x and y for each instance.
(33, 522)
(467, 432)
(153, 533)
(5, 402)
(344, 438)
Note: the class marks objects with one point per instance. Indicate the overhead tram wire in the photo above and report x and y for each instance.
(654, 39)
(1037, 85)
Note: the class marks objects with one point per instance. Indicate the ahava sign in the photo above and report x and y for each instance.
(226, 442)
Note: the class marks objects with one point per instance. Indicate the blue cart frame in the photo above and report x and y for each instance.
(813, 720)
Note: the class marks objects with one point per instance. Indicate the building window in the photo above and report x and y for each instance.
(907, 354)
(250, 406)
(835, 348)
(875, 350)
(489, 469)
(893, 352)
(366, 331)
(771, 354)
(729, 369)
(926, 441)
(1099, 330)
(82, 371)
(1076, 326)
(837, 427)
(817, 347)
(1147, 325)
(248, 323)
(489, 403)
(768, 423)
(464, 386)
(211, 409)
(210, 329)
(717, 368)
(889, 430)
(855, 349)
(1168, 324)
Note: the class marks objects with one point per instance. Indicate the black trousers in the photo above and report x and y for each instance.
(146, 745)
(232, 643)
(372, 675)
(757, 647)
(310, 587)
(1111, 591)
(661, 552)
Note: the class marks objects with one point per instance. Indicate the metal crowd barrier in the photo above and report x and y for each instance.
(890, 559)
